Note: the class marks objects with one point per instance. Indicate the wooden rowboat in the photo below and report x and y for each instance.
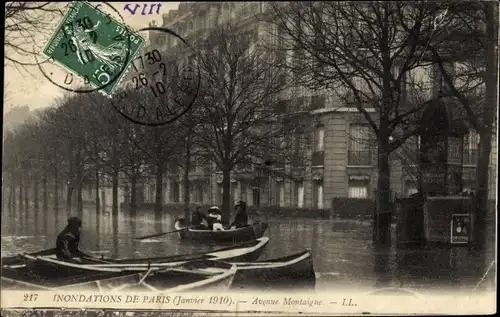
(192, 276)
(293, 271)
(243, 252)
(246, 233)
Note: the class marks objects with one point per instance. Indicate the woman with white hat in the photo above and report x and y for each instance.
(214, 219)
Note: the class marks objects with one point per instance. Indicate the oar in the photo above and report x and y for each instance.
(163, 233)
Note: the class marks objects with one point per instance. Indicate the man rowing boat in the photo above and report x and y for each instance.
(67, 241)
(241, 218)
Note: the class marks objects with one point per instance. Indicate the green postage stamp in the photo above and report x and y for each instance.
(93, 45)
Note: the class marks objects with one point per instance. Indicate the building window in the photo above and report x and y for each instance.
(319, 139)
(299, 143)
(236, 190)
(220, 191)
(318, 102)
(454, 149)
(256, 196)
(280, 193)
(471, 145)
(243, 191)
(359, 145)
(318, 154)
(358, 188)
(152, 190)
(199, 191)
(318, 194)
(298, 194)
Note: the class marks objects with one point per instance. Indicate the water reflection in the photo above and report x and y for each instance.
(343, 253)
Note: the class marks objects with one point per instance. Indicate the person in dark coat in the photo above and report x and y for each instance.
(241, 218)
(197, 217)
(67, 241)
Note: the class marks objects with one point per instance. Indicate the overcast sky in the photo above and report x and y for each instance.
(31, 89)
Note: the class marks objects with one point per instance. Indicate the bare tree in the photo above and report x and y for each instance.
(238, 122)
(361, 53)
(28, 26)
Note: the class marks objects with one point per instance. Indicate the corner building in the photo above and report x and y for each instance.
(341, 159)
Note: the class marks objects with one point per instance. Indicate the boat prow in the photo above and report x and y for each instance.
(292, 271)
(190, 276)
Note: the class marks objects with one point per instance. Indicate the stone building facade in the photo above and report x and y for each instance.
(343, 159)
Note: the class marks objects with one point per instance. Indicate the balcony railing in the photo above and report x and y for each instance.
(470, 157)
(359, 158)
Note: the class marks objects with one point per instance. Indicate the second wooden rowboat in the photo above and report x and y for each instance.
(246, 233)
(192, 276)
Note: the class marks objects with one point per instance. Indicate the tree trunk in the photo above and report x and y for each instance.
(45, 194)
(56, 191)
(36, 186)
(481, 197)
(96, 185)
(226, 196)
(36, 206)
(133, 194)
(26, 196)
(69, 189)
(12, 193)
(382, 221)
(69, 195)
(486, 130)
(79, 198)
(114, 177)
(114, 180)
(159, 184)
(21, 207)
(187, 166)
(4, 197)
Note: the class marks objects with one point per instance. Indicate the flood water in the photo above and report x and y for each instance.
(343, 254)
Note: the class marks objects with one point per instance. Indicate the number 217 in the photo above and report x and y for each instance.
(30, 297)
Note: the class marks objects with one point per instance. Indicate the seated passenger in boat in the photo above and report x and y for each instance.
(214, 217)
(197, 217)
(67, 241)
(241, 218)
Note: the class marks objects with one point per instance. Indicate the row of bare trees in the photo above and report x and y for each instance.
(83, 141)
(365, 53)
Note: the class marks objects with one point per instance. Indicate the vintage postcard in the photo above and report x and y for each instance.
(249, 158)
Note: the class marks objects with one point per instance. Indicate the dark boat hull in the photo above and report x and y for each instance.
(47, 267)
(295, 271)
(243, 252)
(22, 278)
(247, 233)
(189, 277)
